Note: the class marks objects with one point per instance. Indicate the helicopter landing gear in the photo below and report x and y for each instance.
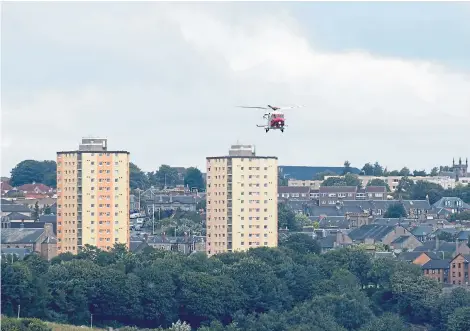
(267, 129)
(282, 130)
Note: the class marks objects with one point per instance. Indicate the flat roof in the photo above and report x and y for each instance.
(240, 157)
(78, 152)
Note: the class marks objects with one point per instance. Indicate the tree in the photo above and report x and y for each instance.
(423, 189)
(404, 188)
(395, 210)
(286, 218)
(347, 167)
(321, 175)
(378, 169)
(347, 180)
(193, 178)
(420, 173)
(368, 169)
(405, 172)
(378, 182)
(36, 211)
(137, 178)
(166, 176)
(31, 171)
(434, 171)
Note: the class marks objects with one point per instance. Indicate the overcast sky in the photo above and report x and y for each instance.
(380, 81)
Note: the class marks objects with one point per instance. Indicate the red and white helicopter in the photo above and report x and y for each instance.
(275, 118)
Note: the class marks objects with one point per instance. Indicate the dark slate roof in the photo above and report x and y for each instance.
(437, 264)
(463, 235)
(431, 246)
(416, 204)
(453, 201)
(388, 221)
(422, 230)
(15, 216)
(338, 189)
(334, 222)
(411, 256)
(308, 173)
(21, 236)
(20, 252)
(10, 208)
(400, 240)
(182, 199)
(6, 202)
(32, 225)
(372, 231)
(48, 218)
(293, 189)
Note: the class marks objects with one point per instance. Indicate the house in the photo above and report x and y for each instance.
(18, 217)
(444, 248)
(374, 233)
(36, 188)
(40, 240)
(293, 192)
(372, 193)
(5, 187)
(417, 209)
(437, 270)
(423, 233)
(170, 202)
(185, 244)
(14, 253)
(408, 242)
(459, 269)
(7, 209)
(419, 258)
(451, 205)
(331, 195)
(333, 240)
(313, 184)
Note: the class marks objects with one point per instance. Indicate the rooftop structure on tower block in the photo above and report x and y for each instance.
(92, 197)
(241, 201)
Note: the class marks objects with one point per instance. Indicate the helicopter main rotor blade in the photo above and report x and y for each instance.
(252, 107)
(290, 107)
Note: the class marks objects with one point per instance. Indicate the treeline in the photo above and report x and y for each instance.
(44, 172)
(290, 288)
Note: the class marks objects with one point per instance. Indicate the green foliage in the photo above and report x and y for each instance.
(193, 178)
(378, 182)
(286, 218)
(29, 171)
(321, 175)
(291, 287)
(347, 167)
(395, 210)
(23, 324)
(347, 180)
(372, 170)
(137, 178)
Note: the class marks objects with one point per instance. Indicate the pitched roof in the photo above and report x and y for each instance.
(451, 202)
(35, 187)
(10, 208)
(444, 246)
(338, 189)
(416, 204)
(401, 239)
(371, 231)
(437, 264)
(21, 235)
(422, 230)
(15, 216)
(4, 186)
(293, 189)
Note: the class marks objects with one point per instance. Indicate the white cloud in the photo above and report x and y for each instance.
(198, 62)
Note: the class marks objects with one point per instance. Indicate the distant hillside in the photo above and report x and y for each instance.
(307, 173)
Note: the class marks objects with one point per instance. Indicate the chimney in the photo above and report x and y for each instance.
(171, 198)
(185, 236)
(437, 243)
(163, 236)
(146, 237)
(22, 225)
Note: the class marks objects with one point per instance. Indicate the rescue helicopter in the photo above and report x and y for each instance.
(275, 119)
